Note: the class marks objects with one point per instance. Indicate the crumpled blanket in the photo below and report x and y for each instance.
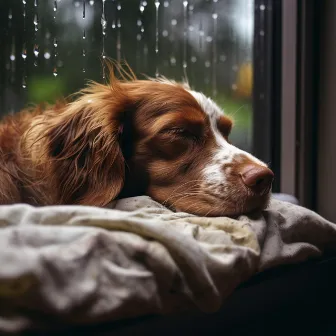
(71, 265)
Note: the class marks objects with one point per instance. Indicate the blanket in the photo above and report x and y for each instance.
(72, 265)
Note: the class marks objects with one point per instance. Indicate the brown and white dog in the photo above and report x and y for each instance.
(130, 137)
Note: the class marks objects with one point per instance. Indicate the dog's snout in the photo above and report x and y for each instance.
(256, 177)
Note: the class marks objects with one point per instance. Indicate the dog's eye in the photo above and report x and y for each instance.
(181, 132)
(177, 131)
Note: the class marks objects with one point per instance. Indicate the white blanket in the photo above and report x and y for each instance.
(75, 265)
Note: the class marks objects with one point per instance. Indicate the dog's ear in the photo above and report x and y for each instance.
(85, 159)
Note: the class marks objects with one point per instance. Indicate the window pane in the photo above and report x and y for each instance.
(52, 47)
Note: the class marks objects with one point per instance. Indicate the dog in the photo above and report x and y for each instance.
(130, 137)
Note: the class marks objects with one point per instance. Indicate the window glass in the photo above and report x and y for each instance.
(52, 47)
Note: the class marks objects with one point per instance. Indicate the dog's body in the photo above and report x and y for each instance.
(129, 138)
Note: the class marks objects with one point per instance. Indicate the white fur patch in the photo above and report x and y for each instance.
(213, 173)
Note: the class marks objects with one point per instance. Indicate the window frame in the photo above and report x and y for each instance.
(267, 84)
(286, 73)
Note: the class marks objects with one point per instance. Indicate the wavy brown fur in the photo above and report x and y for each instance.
(126, 138)
(67, 153)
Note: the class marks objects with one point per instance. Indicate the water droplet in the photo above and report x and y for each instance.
(10, 14)
(113, 24)
(185, 34)
(83, 53)
(145, 50)
(118, 45)
(262, 7)
(142, 8)
(174, 22)
(193, 59)
(24, 2)
(103, 24)
(208, 39)
(119, 7)
(24, 85)
(207, 64)
(36, 50)
(55, 42)
(166, 4)
(139, 23)
(47, 55)
(59, 63)
(119, 24)
(165, 33)
(55, 72)
(262, 33)
(222, 58)
(91, 2)
(55, 6)
(235, 68)
(83, 9)
(84, 35)
(76, 4)
(36, 22)
(83, 70)
(139, 37)
(215, 16)
(24, 53)
(157, 5)
(12, 57)
(172, 60)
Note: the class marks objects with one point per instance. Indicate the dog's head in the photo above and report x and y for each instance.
(153, 137)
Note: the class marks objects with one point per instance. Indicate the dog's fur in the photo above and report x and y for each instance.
(129, 137)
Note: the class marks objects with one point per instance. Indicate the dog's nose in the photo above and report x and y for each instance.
(256, 177)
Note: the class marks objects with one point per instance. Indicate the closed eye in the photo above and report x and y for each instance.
(181, 132)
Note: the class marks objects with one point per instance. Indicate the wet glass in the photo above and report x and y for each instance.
(50, 48)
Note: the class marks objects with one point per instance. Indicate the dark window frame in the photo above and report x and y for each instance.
(267, 84)
(309, 16)
(285, 98)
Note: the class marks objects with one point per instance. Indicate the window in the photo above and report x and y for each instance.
(52, 47)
